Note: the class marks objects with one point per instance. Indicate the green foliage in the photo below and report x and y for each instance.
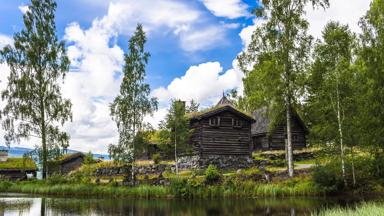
(88, 159)
(18, 163)
(276, 60)
(177, 126)
(370, 62)
(156, 158)
(365, 209)
(329, 176)
(212, 174)
(37, 62)
(133, 103)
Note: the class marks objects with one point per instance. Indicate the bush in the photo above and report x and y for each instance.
(156, 158)
(56, 179)
(179, 187)
(328, 176)
(88, 159)
(212, 174)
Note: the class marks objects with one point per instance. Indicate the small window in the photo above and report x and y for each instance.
(214, 121)
(236, 123)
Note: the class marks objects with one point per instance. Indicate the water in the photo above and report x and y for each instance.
(18, 204)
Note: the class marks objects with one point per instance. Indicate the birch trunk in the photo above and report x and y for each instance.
(353, 167)
(176, 166)
(289, 140)
(340, 126)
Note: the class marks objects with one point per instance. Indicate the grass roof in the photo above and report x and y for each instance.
(211, 109)
(18, 163)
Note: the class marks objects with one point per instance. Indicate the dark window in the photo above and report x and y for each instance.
(214, 121)
(236, 123)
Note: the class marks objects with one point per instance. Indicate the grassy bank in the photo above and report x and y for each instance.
(84, 190)
(178, 187)
(366, 209)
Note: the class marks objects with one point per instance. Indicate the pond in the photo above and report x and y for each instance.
(19, 204)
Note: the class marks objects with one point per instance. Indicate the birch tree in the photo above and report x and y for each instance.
(276, 59)
(331, 90)
(37, 62)
(133, 103)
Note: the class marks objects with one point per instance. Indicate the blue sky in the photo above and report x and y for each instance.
(193, 46)
(168, 59)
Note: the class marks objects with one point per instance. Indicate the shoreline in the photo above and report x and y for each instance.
(87, 190)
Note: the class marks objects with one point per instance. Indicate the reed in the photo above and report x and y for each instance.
(365, 209)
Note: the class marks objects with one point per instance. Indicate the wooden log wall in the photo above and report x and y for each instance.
(223, 139)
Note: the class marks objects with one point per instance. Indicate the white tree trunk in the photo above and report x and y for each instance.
(340, 126)
(289, 141)
(176, 164)
(353, 167)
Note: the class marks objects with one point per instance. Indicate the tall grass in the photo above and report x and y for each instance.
(366, 209)
(142, 191)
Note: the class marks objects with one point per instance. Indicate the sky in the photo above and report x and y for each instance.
(193, 46)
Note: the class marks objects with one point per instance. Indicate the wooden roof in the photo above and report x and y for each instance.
(262, 121)
(223, 105)
(69, 157)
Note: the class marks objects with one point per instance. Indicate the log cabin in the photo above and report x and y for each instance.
(267, 137)
(222, 130)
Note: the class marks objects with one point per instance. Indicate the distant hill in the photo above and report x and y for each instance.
(20, 151)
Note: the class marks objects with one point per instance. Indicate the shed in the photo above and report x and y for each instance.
(266, 137)
(67, 163)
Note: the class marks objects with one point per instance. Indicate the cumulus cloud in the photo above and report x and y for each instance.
(229, 8)
(23, 8)
(345, 11)
(96, 61)
(183, 20)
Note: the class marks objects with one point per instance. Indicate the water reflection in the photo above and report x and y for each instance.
(15, 204)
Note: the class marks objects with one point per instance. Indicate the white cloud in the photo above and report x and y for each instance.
(5, 40)
(203, 39)
(345, 11)
(229, 8)
(97, 61)
(179, 18)
(202, 83)
(24, 8)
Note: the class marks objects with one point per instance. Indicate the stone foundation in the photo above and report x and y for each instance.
(139, 170)
(221, 161)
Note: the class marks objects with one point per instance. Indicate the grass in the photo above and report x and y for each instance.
(365, 209)
(85, 190)
(185, 187)
(18, 163)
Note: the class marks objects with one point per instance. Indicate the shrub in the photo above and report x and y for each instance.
(212, 174)
(56, 179)
(328, 176)
(88, 159)
(179, 187)
(156, 158)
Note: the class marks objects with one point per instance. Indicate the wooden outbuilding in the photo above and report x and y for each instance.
(68, 163)
(222, 130)
(268, 137)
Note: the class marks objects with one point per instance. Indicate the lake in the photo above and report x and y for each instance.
(19, 204)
